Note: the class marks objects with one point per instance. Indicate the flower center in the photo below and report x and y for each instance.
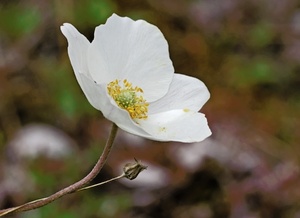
(129, 98)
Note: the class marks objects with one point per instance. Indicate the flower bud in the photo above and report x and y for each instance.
(132, 170)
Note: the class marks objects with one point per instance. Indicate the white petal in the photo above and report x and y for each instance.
(95, 93)
(132, 128)
(185, 93)
(77, 49)
(132, 50)
(177, 125)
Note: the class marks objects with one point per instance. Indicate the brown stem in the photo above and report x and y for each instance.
(72, 188)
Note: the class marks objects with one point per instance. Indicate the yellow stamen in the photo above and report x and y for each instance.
(129, 98)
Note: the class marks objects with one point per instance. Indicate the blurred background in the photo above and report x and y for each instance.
(246, 52)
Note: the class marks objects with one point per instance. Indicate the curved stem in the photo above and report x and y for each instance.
(72, 188)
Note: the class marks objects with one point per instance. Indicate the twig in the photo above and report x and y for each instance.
(72, 188)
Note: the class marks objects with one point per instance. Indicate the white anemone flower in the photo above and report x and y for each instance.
(127, 74)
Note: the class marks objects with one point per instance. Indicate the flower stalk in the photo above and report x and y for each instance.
(101, 183)
(72, 188)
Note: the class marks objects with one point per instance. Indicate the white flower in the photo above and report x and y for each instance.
(127, 74)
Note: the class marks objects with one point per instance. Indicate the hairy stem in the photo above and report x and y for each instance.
(72, 188)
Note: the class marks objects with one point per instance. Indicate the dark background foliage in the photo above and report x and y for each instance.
(247, 52)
